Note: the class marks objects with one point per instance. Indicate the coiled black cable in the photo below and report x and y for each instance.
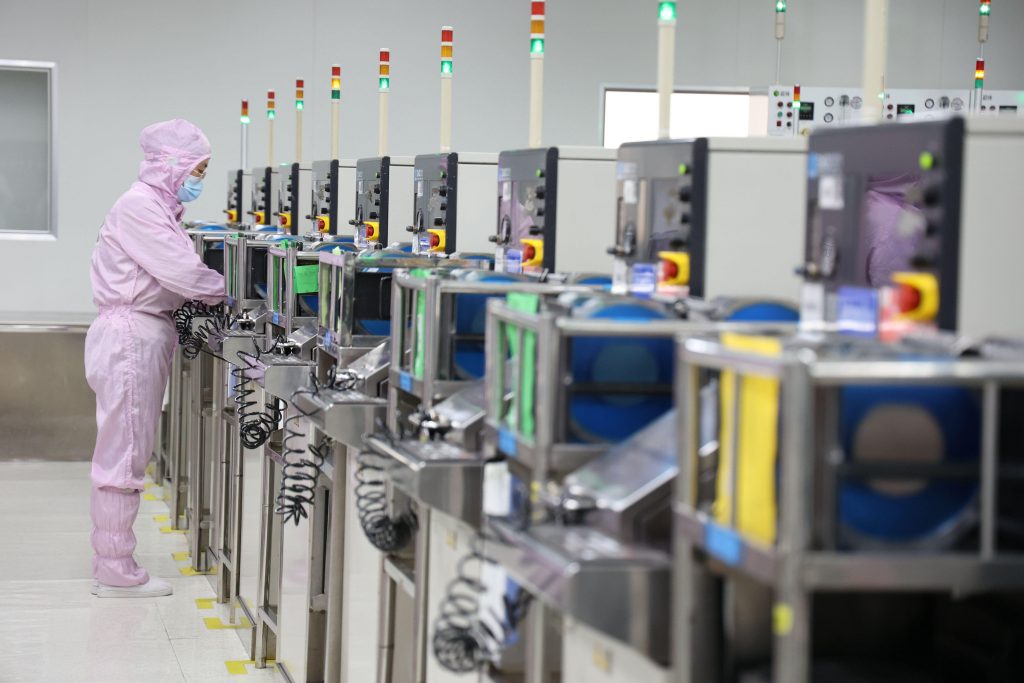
(255, 428)
(464, 640)
(386, 533)
(195, 339)
(300, 473)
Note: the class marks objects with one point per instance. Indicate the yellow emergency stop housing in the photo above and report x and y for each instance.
(538, 252)
(927, 286)
(439, 247)
(373, 230)
(323, 224)
(232, 215)
(286, 219)
(260, 217)
(681, 260)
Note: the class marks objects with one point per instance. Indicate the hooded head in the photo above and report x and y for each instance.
(172, 150)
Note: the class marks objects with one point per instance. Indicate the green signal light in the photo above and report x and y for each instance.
(300, 105)
(385, 83)
(683, 169)
(985, 9)
(335, 94)
(667, 11)
(271, 114)
(246, 119)
(926, 161)
(780, 6)
(537, 46)
(446, 66)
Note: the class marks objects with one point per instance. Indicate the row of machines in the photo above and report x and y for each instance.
(698, 410)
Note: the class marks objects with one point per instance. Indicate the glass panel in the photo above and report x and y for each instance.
(25, 173)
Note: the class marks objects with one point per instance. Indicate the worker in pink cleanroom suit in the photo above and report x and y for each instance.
(144, 266)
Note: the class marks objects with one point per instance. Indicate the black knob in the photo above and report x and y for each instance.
(376, 202)
(373, 215)
(921, 261)
(442, 192)
(684, 195)
(539, 211)
(376, 189)
(352, 222)
(444, 207)
(535, 230)
(438, 222)
(539, 192)
(309, 218)
(411, 228)
(684, 219)
(492, 238)
(932, 229)
(932, 195)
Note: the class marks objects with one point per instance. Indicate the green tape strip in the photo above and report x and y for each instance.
(524, 303)
(306, 279)
(420, 351)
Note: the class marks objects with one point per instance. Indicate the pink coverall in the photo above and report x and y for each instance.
(143, 267)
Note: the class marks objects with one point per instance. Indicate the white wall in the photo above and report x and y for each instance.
(126, 63)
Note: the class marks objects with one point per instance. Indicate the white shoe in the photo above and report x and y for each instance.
(154, 588)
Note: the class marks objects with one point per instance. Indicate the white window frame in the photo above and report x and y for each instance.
(50, 68)
(611, 87)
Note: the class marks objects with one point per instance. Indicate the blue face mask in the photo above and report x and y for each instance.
(190, 191)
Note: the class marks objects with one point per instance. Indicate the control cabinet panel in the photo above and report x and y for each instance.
(435, 203)
(527, 202)
(793, 110)
(884, 209)
(235, 197)
(655, 223)
(264, 196)
(373, 185)
(325, 193)
(291, 198)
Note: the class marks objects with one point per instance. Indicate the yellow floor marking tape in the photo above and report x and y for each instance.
(161, 518)
(149, 485)
(181, 557)
(149, 496)
(169, 530)
(189, 571)
(215, 624)
(237, 666)
(204, 603)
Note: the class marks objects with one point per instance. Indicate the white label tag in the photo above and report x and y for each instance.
(830, 192)
(812, 303)
(620, 277)
(629, 193)
(419, 188)
(506, 191)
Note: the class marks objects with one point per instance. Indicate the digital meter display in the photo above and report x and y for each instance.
(904, 109)
(807, 111)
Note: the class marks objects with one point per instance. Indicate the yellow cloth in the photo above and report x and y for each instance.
(758, 447)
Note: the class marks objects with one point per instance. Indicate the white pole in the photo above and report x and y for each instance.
(666, 70)
(876, 30)
(446, 112)
(298, 135)
(270, 142)
(536, 97)
(335, 112)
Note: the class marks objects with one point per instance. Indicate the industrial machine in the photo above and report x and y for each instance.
(797, 110)
(264, 197)
(333, 189)
(294, 206)
(453, 196)
(548, 193)
(382, 192)
(850, 494)
(681, 232)
(918, 211)
(234, 211)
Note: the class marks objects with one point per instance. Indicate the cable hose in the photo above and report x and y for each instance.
(194, 340)
(386, 533)
(255, 428)
(300, 474)
(463, 640)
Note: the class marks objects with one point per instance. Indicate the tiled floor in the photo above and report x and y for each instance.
(52, 629)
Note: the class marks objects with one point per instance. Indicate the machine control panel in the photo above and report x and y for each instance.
(372, 186)
(655, 231)
(264, 196)
(527, 203)
(324, 214)
(235, 199)
(796, 110)
(435, 183)
(288, 199)
(884, 216)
